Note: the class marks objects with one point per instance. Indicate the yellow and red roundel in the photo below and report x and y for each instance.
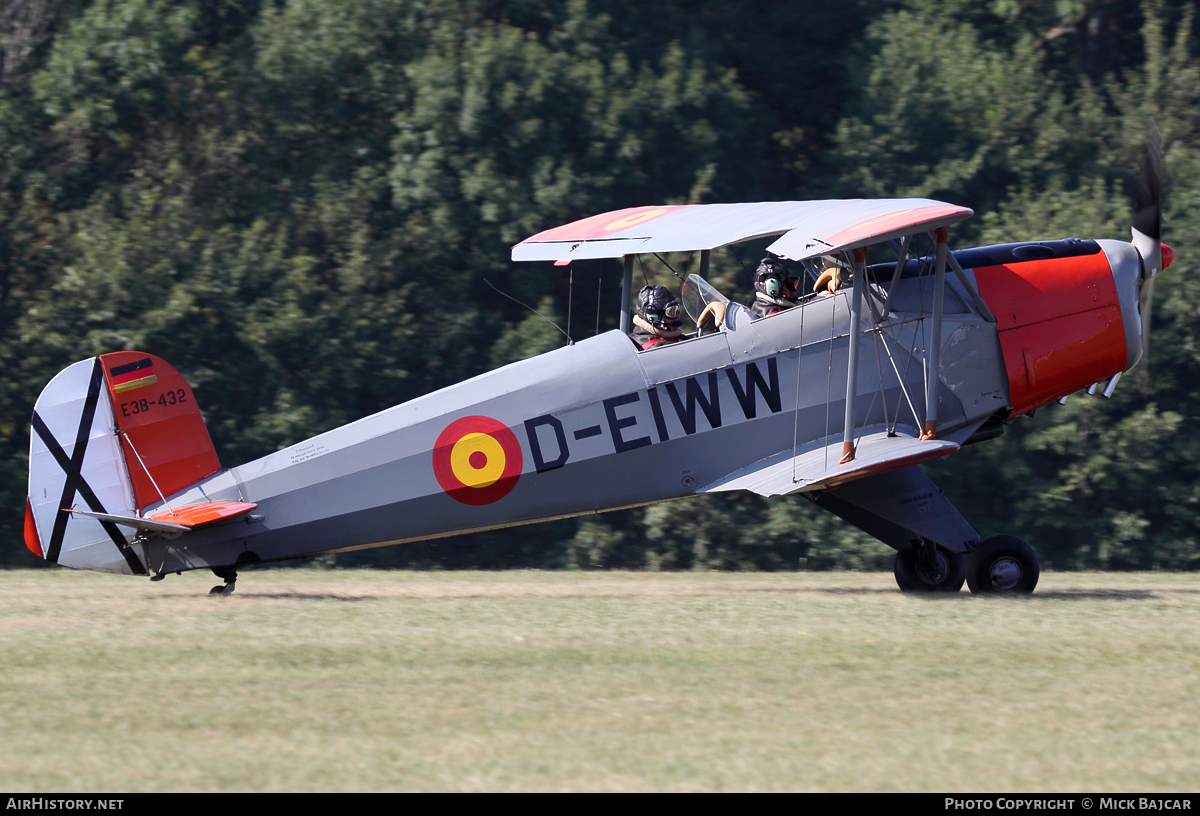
(477, 460)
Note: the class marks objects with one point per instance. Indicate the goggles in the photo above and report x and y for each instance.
(666, 315)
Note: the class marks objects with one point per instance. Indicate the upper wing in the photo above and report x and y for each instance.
(815, 466)
(806, 228)
(860, 223)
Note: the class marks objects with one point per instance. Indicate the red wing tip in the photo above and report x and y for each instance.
(854, 474)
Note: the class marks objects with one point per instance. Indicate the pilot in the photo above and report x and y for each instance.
(775, 289)
(657, 319)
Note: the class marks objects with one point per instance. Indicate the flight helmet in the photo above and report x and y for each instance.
(658, 307)
(773, 279)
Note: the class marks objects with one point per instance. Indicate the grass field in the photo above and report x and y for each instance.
(357, 680)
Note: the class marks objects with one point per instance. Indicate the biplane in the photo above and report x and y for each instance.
(922, 351)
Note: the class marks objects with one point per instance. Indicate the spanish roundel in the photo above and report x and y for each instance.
(477, 460)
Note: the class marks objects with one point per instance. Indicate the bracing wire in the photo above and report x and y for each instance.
(879, 367)
(877, 335)
(535, 311)
(924, 278)
(927, 285)
(733, 249)
(796, 419)
(668, 266)
(829, 377)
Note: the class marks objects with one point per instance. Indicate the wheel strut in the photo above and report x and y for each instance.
(930, 555)
(229, 575)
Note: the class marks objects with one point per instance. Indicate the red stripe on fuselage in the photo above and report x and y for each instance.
(1059, 322)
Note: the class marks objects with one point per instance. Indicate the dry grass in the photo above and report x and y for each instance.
(347, 680)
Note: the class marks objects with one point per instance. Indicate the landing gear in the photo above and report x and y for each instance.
(1003, 565)
(929, 568)
(229, 574)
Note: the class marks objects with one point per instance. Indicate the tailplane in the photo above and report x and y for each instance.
(111, 436)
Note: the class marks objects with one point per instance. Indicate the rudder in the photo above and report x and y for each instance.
(106, 431)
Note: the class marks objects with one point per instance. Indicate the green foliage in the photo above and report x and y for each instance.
(534, 335)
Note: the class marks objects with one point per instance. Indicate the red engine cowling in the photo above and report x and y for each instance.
(1060, 324)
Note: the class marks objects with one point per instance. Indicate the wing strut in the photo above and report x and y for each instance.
(626, 293)
(975, 298)
(933, 353)
(900, 261)
(856, 296)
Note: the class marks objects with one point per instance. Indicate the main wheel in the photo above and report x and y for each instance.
(1003, 565)
(914, 572)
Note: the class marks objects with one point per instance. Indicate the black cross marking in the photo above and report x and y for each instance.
(75, 482)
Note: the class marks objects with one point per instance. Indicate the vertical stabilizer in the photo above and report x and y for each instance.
(105, 431)
(76, 461)
(162, 434)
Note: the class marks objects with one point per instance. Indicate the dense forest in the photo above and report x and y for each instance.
(303, 205)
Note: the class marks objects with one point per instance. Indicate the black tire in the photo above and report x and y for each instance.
(1003, 565)
(913, 574)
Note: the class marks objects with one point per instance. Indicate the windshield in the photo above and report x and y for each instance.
(814, 266)
(697, 293)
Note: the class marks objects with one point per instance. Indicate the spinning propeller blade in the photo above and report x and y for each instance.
(1147, 227)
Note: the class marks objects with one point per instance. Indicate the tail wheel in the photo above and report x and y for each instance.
(229, 574)
(916, 571)
(1003, 565)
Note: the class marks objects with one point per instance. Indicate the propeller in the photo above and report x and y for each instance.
(1147, 227)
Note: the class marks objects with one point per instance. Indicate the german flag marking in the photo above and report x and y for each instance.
(132, 376)
(477, 460)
